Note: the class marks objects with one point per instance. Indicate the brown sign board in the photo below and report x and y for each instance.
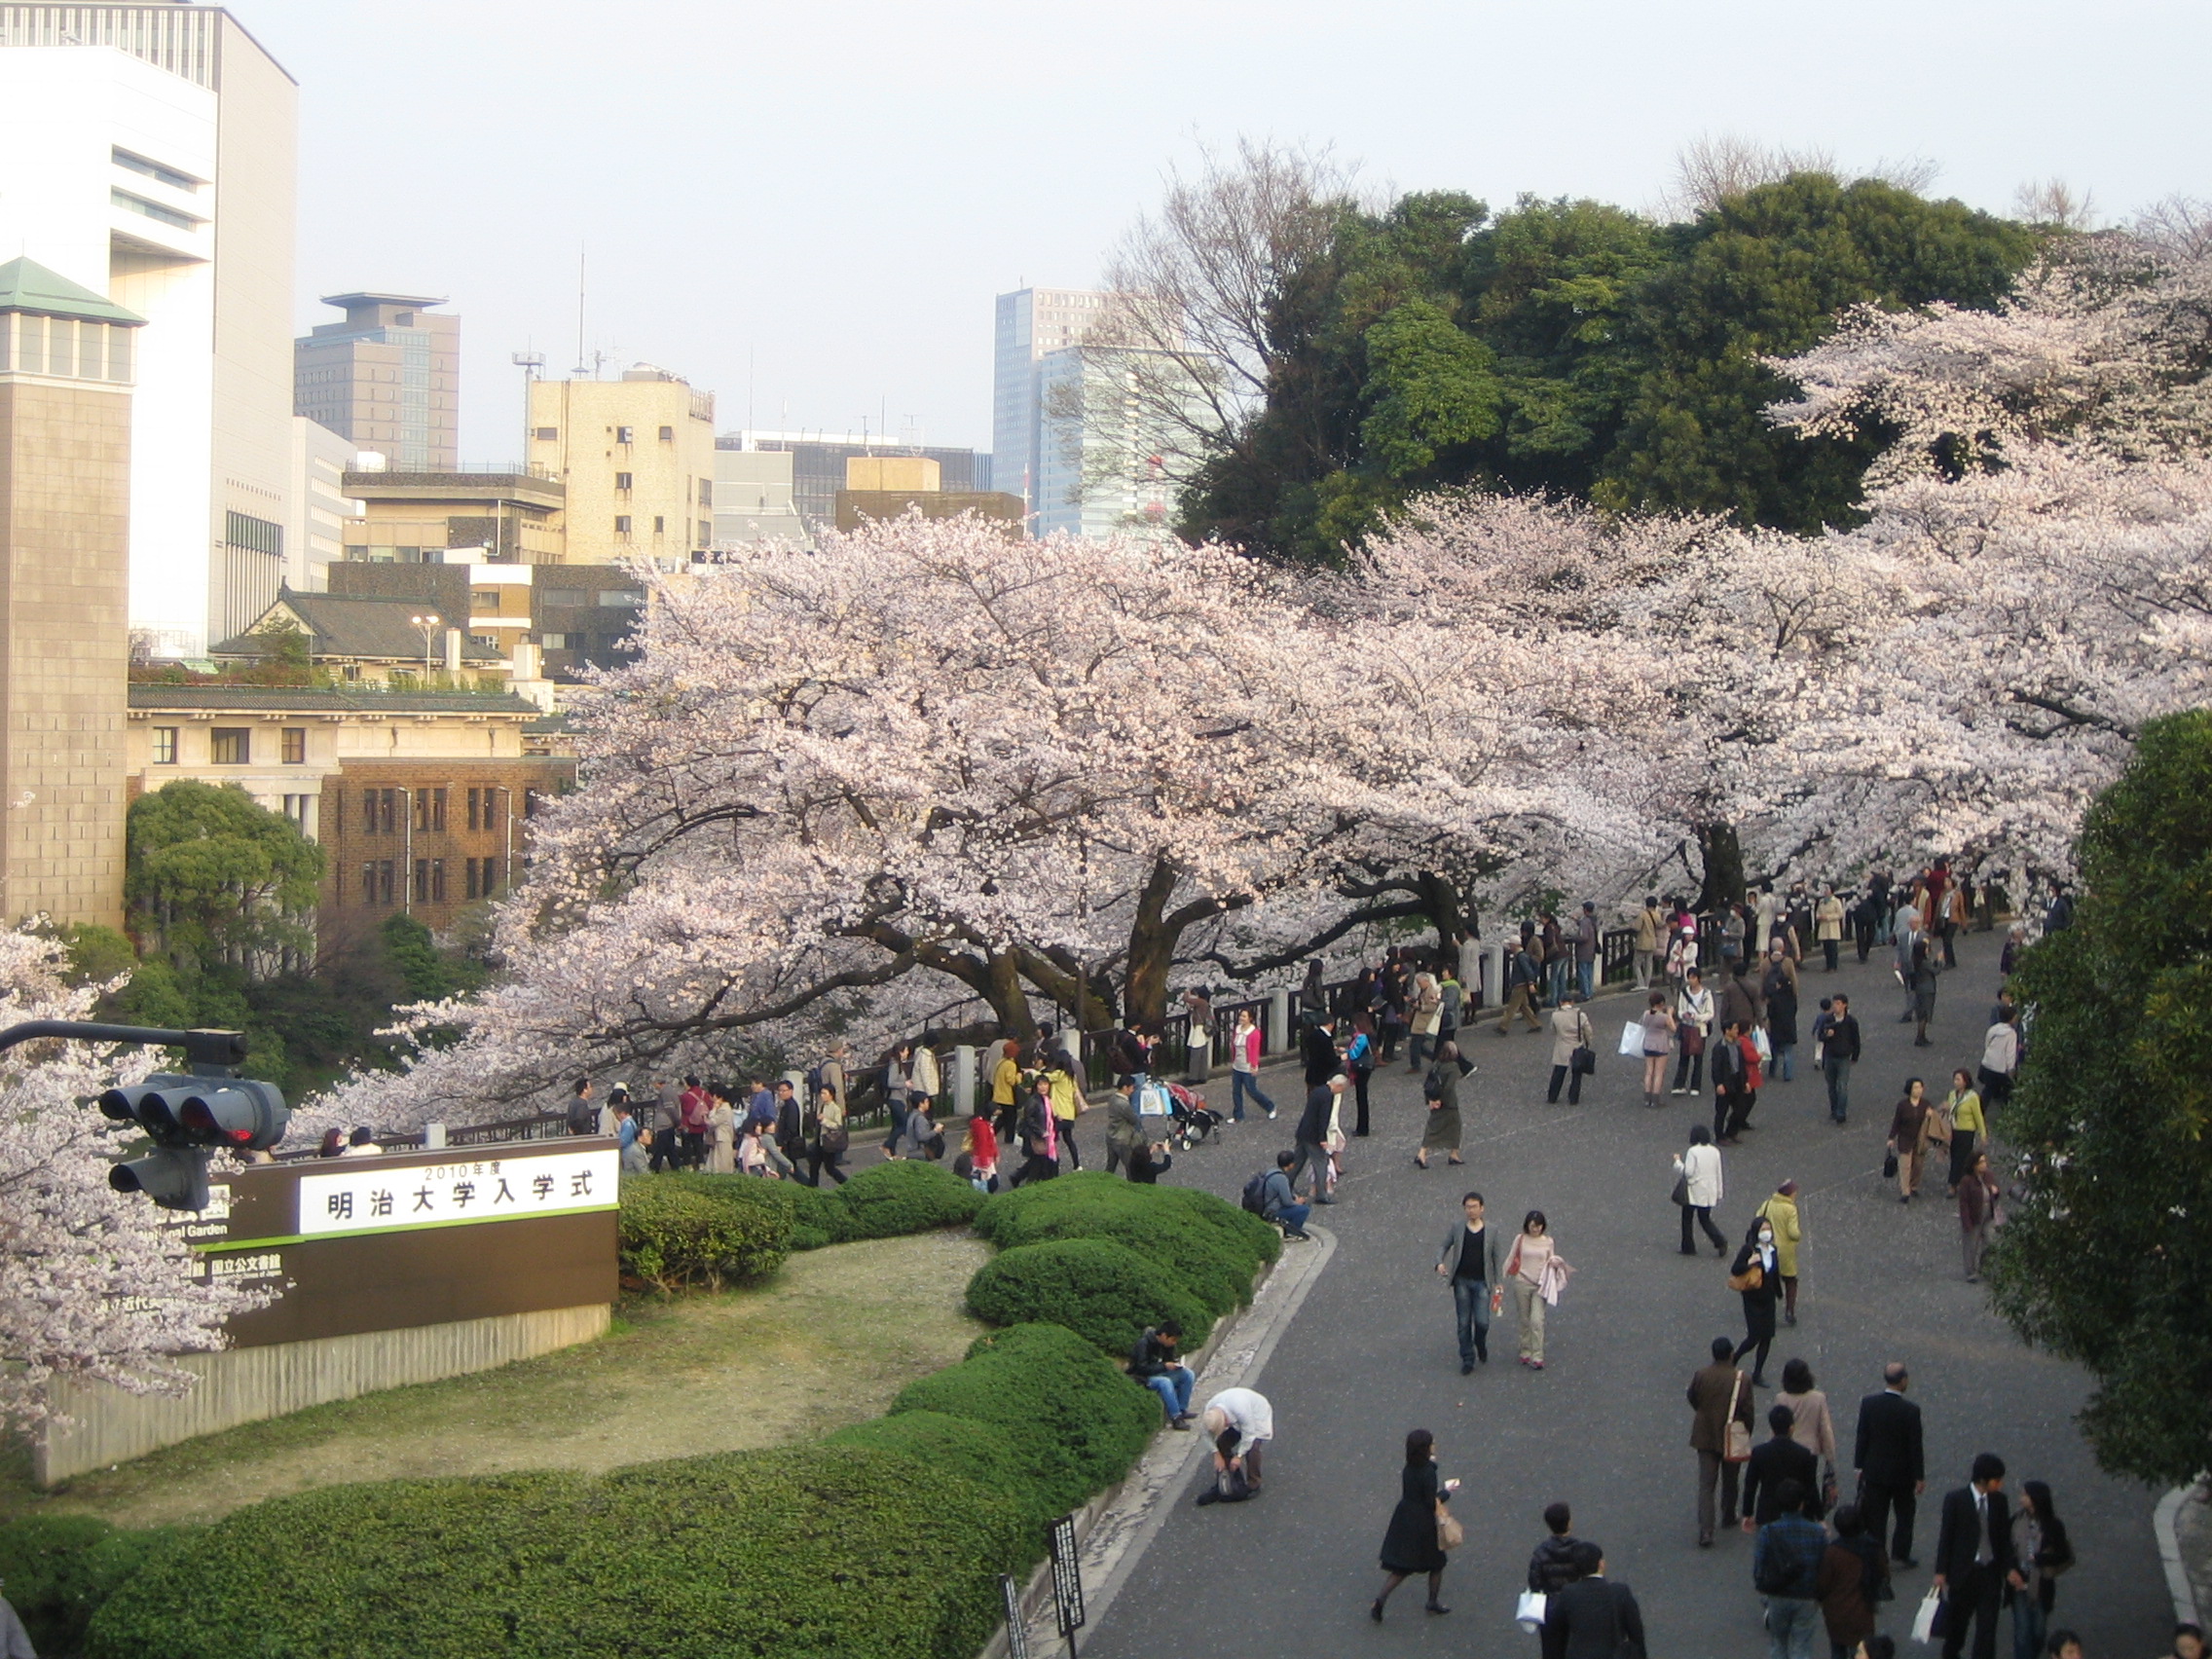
(402, 1239)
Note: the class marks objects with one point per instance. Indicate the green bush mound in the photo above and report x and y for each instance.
(890, 1199)
(1214, 1248)
(1100, 1289)
(983, 1455)
(678, 1235)
(812, 1550)
(1074, 1420)
(59, 1569)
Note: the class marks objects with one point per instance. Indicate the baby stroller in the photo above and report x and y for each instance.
(1194, 1119)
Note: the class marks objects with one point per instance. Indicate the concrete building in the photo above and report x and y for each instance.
(414, 518)
(818, 464)
(421, 799)
(65, 365)
(388, 378)
(1100, 457)
(753, 498)
(893, 486)
(635, 457)
(147, 154)
(1031, 323)
(315, 532)
(365, 640)
(543, 620)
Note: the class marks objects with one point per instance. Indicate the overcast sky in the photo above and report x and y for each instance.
(808, 206)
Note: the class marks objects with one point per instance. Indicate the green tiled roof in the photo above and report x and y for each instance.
(26, 285)
(315, 700)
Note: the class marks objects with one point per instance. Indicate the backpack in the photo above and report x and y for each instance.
(1255, 1197)
(814, 1083)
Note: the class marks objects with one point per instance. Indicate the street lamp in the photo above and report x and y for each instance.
(507, 823)
(429, 625)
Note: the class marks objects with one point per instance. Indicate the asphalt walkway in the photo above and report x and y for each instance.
(1372, 1354)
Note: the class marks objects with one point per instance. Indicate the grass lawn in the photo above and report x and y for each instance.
(828, 1341)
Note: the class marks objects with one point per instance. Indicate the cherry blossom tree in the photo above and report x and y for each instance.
(94, 1284)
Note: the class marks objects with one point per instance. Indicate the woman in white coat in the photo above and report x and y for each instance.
(1699, 1191)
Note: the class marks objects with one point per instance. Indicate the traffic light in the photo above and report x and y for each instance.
(185, 1118)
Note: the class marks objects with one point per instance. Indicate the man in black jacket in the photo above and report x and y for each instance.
(1780, 1459)
(1156, 1362)
(1313, 1134)
(1973, 1558)
(1840, 1052)
(1591, 1618)
(1892, 1470)
(1552, 1567)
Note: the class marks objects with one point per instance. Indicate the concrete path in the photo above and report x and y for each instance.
(1371, 1354)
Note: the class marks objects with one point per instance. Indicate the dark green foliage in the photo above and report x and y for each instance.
(429, 973)
(1076, 1421)
(1214, 1248)
(1102, 1290)
(890, 1199)
(1576, 347)
(979, 1453)
(2107, 1259)
(58, 1570)
(813, 1550)
(676, 1237)
(212, 877)
(821, 1219)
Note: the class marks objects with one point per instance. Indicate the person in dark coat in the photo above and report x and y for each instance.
(1779, 988)
(1313, 1136)
(1319, 1050)
(1410, 1545)
(1593, 1618)
(1780, 1459)
(1974, 1563)
(1850, 1581)
(1440, 1092)
(1892, 1470)
(1551, 1568)
(1758, 1299)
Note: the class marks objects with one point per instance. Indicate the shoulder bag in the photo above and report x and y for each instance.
(1736, 1448)
(1681, 1193)
(1449, 1534)
(1751, 1279)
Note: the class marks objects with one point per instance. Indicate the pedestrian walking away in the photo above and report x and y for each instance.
(1720, 1395)
(1651, 931)
(1313, 1137)
(1586, 937)
(1755, 1279)
(1156, 1361)
(1840, 1052)
(1066, 1095)
(1414, 1541)
(1698, 1190)
(1537, 1273)
(1908, 1137)
(1473, 1262)
(1593, 1618)
(1426, 1015)
(1249, 1413)
(1924, 971)
(1551, 1568)
(1975, 1564)
(1811, 1426)
(1658, 1042)
(1197, 1039)
(1892, 1467)
(1978, 1214)
(1786, 1571)
(1776, 1463)
(1574, 1046)
(1778, 990)
(1788, 1233)
(1849, 1583)
(1244, 1068)
(1440, 1092)
(2000, 1058)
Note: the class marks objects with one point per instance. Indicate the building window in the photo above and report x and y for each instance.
(383, 880)
(437, 881)
(529, 804)
(622, 480)
(154, 210)
(706, 532)
(488, 879)
(154, 169)
(660, 525)
(368, 884)
(621, 523)
(553, 641)
(421, 880)
(378, 810)
(431, 809)
(255, 535)
(165, 746)
(668, 434)
(625, 435)
(485, 600)
(706, 493)
(548, 435)
(295, 746)
(230, 746)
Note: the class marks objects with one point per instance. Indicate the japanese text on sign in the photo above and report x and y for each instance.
(366, 1198)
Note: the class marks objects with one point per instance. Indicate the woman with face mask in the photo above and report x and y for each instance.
(1756, 1276)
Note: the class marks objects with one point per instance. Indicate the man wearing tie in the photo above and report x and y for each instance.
(1891, 1470)
(1973, 1558)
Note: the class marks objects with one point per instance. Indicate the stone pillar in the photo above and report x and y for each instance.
(963, 1079)
(1278, 1021)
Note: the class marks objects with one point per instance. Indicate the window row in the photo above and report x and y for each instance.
(386, 812)
(230, 746)
(382, 879)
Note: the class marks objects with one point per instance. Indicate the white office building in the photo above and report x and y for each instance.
(1031, 325)
(753, 498)
(315, 529)
(1104, 443)
(147, 152)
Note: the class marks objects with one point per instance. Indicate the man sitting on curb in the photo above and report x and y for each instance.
(1154, 1363)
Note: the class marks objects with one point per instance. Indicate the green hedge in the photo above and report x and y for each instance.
(980, 1452)
(1215, 1248)
(1099, 1288)
(58, 1570)
(675, 1236)
(887, 1200)
(1076, 1421)
(812, 1550)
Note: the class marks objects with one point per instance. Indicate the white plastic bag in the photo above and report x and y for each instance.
(1632, 1040)
(1760, 1043)
(1924, 1621)
(1530, 1613)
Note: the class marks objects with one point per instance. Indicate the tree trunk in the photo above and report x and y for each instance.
(1152, 948)
(1722, 857)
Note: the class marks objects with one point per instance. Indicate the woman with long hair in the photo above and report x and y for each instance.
(1412, 1545)
(1978, 1213)
(1534, 1259)
(1970, 1126)
(2043, 1550)
(1810, 1426)
(1658, 1043)
(1755, 1277)
(1359, 1061)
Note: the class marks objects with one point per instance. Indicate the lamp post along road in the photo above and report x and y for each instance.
(429, 625)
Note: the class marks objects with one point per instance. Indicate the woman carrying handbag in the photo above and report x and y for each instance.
(1755, 1279)
(1421, 1528)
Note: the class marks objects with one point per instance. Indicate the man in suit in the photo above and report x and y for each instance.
(1780, 1459)
(1893, 1471)
(1591, 1618)
(1717, 1392)
(1973, 1558)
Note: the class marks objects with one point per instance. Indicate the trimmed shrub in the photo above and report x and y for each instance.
(58, 1571)
(821, 1218)
(810, 1551)
(1102, 1290)
(1072, 1418)
(905, 1197)
(1214, 1248)
(677, 1235)
(968, 1449)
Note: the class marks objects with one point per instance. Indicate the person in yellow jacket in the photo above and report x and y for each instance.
(1781, 1214)
(1066, 1098)
(1970, 1128)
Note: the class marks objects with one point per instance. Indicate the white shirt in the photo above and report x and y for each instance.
(1249, 1413)
(366, 1149)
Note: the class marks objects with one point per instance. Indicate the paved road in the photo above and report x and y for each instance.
(1604, 1426)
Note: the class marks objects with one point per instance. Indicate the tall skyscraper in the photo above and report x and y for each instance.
(387, 377)
(1104, 441)
(65, 366)
(1031, 323)
(147, 156)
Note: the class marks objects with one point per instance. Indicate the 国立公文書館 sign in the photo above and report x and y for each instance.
(414, 1239)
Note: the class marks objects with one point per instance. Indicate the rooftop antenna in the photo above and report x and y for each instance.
(580, 364)
(529, 363)
(749, 388)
